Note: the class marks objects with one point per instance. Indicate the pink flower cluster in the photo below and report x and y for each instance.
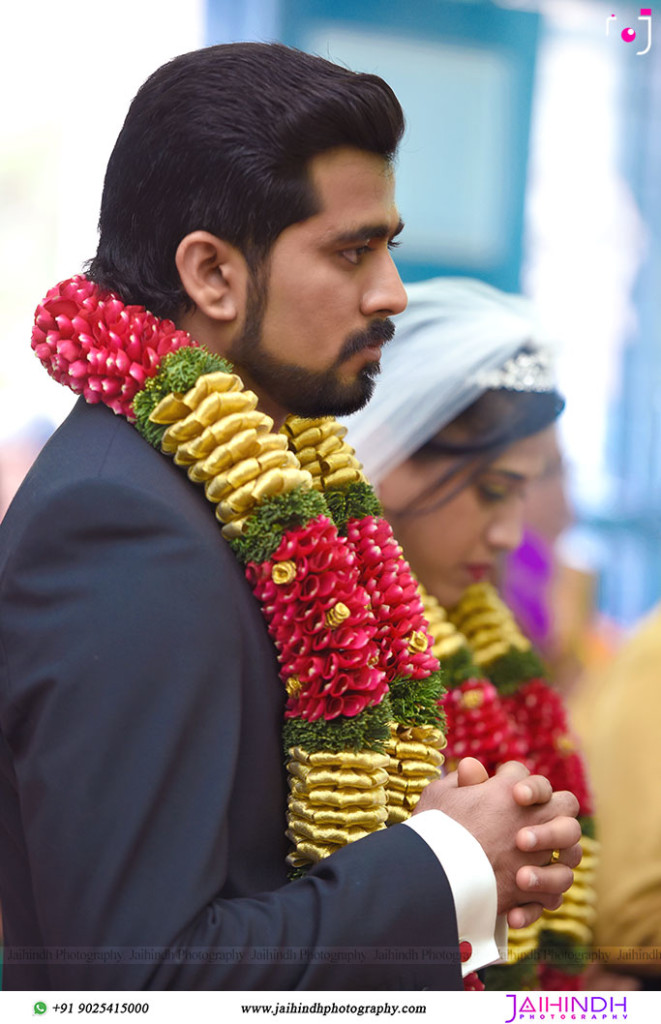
(529, 726)
(472, 983)
(478, 725)
(335, 668)
(100, 348)
(554, 979)
(539, 711)
(394, 597)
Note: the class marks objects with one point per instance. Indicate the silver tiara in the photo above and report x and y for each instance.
(527, 371)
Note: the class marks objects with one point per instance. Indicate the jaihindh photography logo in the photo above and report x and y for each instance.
(523, 1007)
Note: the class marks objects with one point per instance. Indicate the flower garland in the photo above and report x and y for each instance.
(363, 727)
(500, 707)
(415, 737)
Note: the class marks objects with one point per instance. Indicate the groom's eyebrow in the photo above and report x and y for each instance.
(365, 232)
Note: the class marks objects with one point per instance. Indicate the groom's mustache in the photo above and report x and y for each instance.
(379, 332)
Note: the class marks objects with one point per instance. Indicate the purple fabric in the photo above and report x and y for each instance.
(526, 581)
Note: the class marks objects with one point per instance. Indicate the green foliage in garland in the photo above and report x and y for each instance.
(511, 670)
(518, 977)
(415, 702)
(183, 367)
(367, 731)
(559, 951)
(588, 827)
(272, 518)
(177, 374)
(459, 667)
(353, 502)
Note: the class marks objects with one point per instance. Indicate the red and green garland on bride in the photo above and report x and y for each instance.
(500, 707)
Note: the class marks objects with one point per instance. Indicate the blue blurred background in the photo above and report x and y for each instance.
(532, 160)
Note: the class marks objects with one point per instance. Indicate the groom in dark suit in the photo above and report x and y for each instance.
(250, 197)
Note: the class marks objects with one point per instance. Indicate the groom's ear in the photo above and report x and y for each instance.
(214, 275)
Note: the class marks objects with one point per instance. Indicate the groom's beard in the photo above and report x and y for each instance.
(307, 393)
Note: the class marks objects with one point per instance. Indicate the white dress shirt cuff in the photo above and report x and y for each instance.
(472, 881)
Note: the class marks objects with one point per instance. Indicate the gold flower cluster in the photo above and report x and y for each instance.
(447, 639)
(487, 624)
(217, 433)
(414, 760)
(334, 799)
(323, 452)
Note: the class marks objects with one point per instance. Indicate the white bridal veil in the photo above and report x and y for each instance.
(453, 334)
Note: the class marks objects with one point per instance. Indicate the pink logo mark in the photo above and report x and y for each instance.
(629, 34)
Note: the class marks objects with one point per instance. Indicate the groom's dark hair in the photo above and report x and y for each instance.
(220, 140)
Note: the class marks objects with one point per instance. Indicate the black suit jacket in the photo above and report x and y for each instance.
(142, 788)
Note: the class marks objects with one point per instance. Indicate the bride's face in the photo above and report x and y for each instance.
(458, 541)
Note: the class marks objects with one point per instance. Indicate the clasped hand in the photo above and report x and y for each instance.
(519, 822)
